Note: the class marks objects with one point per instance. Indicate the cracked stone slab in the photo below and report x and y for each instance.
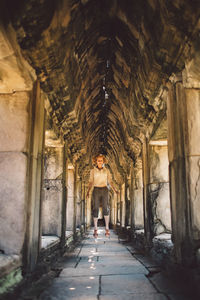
(102, 270)
(126, 284)
(66, 288)
(152, 296)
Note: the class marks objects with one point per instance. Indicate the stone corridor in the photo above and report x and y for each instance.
(79, 78)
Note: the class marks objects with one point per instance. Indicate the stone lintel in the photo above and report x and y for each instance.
(158, 143)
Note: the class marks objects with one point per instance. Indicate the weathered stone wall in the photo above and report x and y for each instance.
(159, 187)
(16, 96)
(137, 210)
(52, 191)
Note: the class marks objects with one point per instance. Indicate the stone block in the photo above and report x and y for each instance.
(53, 162)
(52, 207)
(193, 122)
(160, 203)
(158, 158)
(141, 296)
(126, 284)
(14, 123)
(82, 287)
(13, 183)
(138, 208)
(16, 74)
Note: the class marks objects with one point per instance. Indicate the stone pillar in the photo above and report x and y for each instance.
(113, 215)
(88, 208)
(127, 202)
(64, 195)
(78, 202)
(159, 187)
(52, 203)
(119, 206)
(148, 229)
(83, 196)
(122, 206)
(70, 198)
(75, 197)
(137, 196)
(183, 109)
(156, 189)
(33, 234)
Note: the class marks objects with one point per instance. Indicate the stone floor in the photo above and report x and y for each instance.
(105, 269)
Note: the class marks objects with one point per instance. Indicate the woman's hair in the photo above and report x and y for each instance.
(94, 159)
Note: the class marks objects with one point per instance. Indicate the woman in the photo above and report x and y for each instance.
(100, 177)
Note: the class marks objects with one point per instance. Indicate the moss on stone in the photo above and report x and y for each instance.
(10, 281)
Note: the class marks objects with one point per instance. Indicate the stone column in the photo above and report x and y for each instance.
(113, 218)
(148, 229)
(88, 208)
(64, 195)
(78, 202)
(127, 202)
(118, 208)
(183, 109)
(122, 206)
(159, 187)
(35, 174)
(70, 198)
(83, 196)
(52, 203)
(137, 196)
(75, 197)
(156, 189)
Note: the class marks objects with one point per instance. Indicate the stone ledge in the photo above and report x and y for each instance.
(9, 263)
(49, 241)
(10, 272)
(162, 248)
(138, 239)
(139, 232)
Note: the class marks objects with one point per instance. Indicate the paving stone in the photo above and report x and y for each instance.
(73, 288)
(94, 270)
(126, 284)
(134, 297)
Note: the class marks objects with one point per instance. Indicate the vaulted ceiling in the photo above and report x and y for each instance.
(104, 65)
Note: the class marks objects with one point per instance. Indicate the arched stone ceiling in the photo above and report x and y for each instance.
(103, 64)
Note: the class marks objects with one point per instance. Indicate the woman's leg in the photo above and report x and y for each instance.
(106, 207)
(106, 221)
(95, 207)
(95, 223)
